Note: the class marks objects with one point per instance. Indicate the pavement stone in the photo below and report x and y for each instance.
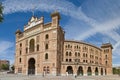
(31, 77)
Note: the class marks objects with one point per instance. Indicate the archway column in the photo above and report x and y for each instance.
(75, 70)
(99, 71)
(103, 71)
(26, 68)
(36, 69)
(85, 70)
(93, 71)
(63, 70)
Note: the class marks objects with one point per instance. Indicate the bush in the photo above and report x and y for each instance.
(116, 71)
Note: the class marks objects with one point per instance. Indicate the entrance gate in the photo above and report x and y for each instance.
(69, 70)
(89, 71)
(31, 66)
(80, 71)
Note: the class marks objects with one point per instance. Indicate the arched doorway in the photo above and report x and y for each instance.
(101, 71)
(69, 70)
(31, 66)
(89, 71)
(80, 71)
(96, 71)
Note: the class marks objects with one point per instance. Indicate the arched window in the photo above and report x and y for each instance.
(84, 55)
(66, 53)
(46, 56)
(68, 46)
(46, 46)
(20, 52)
(48, 70)
(83, 60)
(32, 45)
(46, 36)
(26, 50)
(77, 46)
(75, 53)
(70, 60)
(20, 44)
(38, 47)
(70, 53)
(66, 60)
(44, 68)
(106, 62)
(19, 60)
(106, 56)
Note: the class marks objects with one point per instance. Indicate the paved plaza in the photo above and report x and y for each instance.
(23, 77)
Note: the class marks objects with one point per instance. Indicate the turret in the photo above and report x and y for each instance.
(55, 19)
(107, 57)
(18, 32)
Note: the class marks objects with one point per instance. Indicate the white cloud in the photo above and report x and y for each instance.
(12, 6)
(67, 8)
(4, 45)
(104, 28)
(6, 50)
(116, 65)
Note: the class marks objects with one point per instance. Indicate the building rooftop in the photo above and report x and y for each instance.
(107, 45)
(75, 41)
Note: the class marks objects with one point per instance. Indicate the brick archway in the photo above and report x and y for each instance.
(89, 71)
(96, 71)
(32, 45)
(69, 70)
(80, 70)
(31, 66)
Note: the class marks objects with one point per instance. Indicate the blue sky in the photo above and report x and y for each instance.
(93, 21)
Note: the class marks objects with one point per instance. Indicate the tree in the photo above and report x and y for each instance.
(5, 67)
(116, 71)
(1, 12)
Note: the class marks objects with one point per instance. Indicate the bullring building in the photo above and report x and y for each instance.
(41, 49)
